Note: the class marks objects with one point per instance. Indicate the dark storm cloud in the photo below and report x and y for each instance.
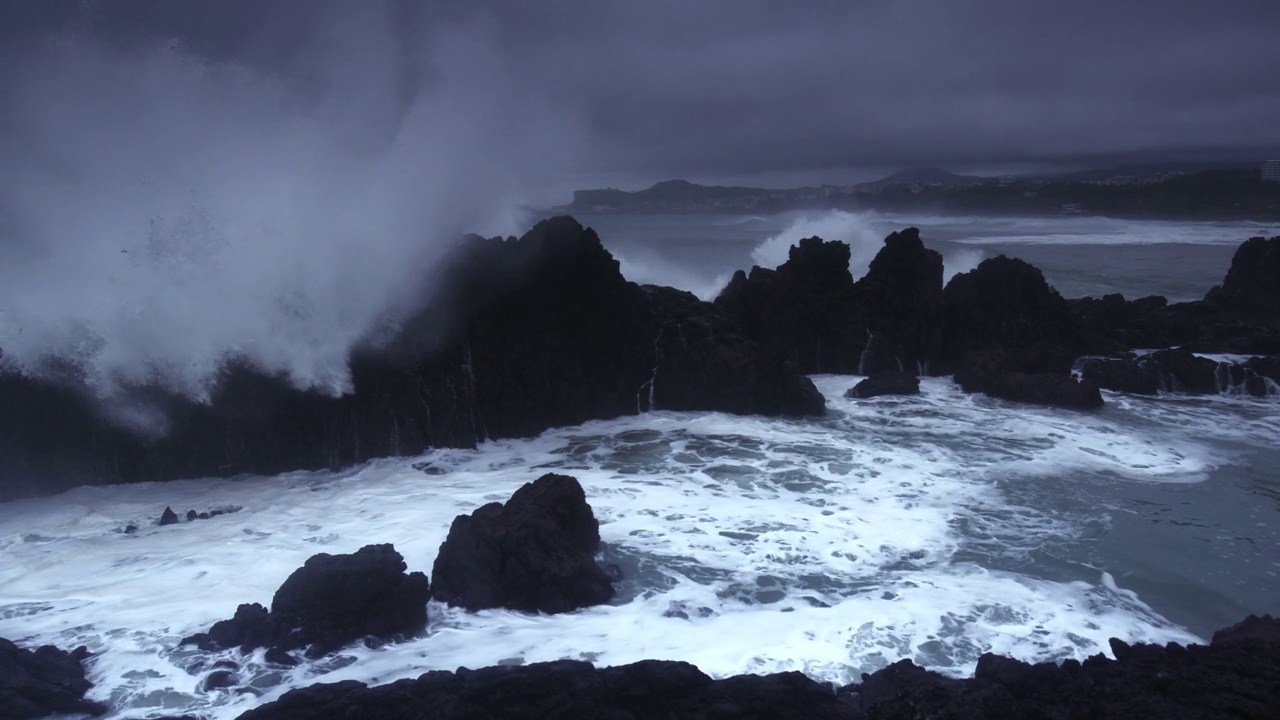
(744, 86)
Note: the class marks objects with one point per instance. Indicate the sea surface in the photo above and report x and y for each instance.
(934, 528)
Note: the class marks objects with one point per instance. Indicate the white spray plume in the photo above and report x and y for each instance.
(160, 213)
(864, 239)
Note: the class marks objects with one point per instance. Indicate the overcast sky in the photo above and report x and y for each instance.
(758, 90)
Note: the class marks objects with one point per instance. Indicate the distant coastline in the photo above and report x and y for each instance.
(1132, 193)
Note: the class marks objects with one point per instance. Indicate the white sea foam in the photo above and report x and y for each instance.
(831, 546)
(652, 269)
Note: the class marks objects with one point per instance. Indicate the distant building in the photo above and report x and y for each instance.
(1271, 171)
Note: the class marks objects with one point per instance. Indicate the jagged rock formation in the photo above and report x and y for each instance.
(534, 553)
(44, 681)
(811, 309)
(1005, 304)
(546, 332)
(329, 602)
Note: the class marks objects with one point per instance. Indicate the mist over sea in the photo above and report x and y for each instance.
(933, 527)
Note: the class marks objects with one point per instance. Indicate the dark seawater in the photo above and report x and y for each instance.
(933, 528)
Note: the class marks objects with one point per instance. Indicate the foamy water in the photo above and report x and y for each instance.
(934, 528)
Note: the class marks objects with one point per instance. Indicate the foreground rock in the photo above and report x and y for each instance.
(43, 682)
(651, 689)
(541, 331)
(331, 601)
(1237, 676)
(893, 382)
(536, 553)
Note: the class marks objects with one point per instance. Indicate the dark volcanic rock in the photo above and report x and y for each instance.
(695, 347)
(805, 310)
(1179, 370)
(812, 312)
(1009, 376)
(543, 331)
(43, 682)
(900, 299)
(1005, 304)
(168, 517)
(1237, 676)
(331, 601)
(536, 553)
(1252, 286)
(647, 690)
(893, 382)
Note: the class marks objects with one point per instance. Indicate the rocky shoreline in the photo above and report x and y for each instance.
(548, 333)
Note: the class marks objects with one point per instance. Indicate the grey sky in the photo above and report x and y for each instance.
(743, 89)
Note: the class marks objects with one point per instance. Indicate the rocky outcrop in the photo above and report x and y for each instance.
(1010, 376)
(535, 553)
(1005, 304)
(44, 681)
(329, 602)
(522, 335)
(1237, 676)
(647, 690)
(893, 382)
(900, 299)
(810, 310)
(1251, 289)
(1242, 316)
(1180, 370)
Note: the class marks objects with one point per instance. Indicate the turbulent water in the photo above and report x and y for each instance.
(934, 527)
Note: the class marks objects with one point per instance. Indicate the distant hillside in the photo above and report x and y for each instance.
(684, 196)
(1126, 191)
(928, 175)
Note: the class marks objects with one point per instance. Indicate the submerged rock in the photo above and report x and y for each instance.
(535, 553)
(44, 681)
(331, 601)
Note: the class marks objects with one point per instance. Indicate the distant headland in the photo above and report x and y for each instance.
(1138, 191)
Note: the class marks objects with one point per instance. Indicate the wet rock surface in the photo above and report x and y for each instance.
(331, 601)
(892, 382)
(534, 553)
(649, 689)
(44, 681)
(1237, 676)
